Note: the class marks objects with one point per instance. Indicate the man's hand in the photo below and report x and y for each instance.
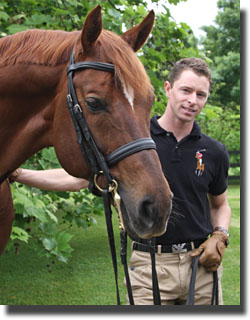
(14, 175)
(212, 251)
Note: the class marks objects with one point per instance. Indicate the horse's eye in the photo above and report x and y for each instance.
(95, 104)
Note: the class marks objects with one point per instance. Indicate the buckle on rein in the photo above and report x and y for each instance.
(112, 188)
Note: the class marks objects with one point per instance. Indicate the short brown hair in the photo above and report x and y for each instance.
(197, 65)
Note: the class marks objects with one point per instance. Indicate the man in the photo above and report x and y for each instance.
(196, 168)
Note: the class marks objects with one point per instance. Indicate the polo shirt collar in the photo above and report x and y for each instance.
(157, 129)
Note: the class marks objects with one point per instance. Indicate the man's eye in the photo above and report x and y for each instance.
(95, 104)
(202, 95)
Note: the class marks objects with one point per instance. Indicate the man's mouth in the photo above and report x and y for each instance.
(189, 109)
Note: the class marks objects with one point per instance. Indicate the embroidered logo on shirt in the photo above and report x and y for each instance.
(200, 164)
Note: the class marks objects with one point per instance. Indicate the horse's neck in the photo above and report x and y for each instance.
(26, 111)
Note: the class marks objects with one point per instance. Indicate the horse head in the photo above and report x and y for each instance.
(117, 110)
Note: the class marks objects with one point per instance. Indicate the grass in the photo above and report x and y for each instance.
(88, 278)
(231, 260)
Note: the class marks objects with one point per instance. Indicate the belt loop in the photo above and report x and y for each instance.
(159, 249)
(132, 245)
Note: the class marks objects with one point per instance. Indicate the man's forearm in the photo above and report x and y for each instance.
(51, 180)
(220, 211)
(220, 217)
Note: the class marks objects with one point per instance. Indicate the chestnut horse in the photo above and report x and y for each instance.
(34, 114)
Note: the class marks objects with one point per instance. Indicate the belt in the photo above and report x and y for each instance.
(173, 248)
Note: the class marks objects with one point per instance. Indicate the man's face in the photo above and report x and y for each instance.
(188, 95)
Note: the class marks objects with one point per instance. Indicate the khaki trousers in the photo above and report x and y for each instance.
(174, 272)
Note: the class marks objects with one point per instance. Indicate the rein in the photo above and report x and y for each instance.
(99, 165)
(191, 291)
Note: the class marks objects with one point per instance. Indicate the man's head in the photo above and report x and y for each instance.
(188, 89)
(196, 65)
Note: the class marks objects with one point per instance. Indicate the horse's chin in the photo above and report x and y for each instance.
(155, 234)
(142, 235)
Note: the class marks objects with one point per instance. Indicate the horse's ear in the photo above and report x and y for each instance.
(92, 28)
(137, 35)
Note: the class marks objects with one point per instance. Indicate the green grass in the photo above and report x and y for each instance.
(231, 260)
(88, 278)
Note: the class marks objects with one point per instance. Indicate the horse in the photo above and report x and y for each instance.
(116, 106)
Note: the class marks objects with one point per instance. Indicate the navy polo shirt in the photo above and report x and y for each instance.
(194, 166)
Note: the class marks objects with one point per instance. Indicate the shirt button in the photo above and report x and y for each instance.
(167, 134)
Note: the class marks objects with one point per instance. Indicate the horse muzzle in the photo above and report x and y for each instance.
(146, 218)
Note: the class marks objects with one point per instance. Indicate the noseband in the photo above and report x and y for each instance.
(97, 163)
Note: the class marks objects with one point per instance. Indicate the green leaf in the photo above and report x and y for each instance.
(114, 13)
(20, 234)
(4, 16)
(49, 156)
(14, 28)
(81, 223)
(35, 212)
(52, 216)
(38, 20)
(49, 243)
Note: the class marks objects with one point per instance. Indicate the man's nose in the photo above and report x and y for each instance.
(192, 98)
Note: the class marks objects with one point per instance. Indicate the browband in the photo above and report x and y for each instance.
(102, 66)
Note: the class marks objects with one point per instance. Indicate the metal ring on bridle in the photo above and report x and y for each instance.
(112, 187)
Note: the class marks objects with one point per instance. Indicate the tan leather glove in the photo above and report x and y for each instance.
(14, 175)
(212, 250)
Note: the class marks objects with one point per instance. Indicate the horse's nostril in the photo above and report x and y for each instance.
(153, 216)
(148, 210)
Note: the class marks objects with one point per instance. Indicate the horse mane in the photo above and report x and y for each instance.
(44, 47)
(53, 47)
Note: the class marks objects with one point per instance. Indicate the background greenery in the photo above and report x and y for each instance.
(46, 222)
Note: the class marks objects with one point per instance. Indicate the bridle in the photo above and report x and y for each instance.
(99, 165)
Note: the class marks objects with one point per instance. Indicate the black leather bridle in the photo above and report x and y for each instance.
(99, 165)
(94, 158)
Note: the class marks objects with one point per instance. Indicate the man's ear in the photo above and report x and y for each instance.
(168, 88)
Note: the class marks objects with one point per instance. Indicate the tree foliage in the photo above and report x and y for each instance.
(221, 118)
(222, 46)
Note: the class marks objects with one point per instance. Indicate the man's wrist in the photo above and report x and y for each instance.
(226, 233)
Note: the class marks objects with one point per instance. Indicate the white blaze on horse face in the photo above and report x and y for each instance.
(129, 94)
